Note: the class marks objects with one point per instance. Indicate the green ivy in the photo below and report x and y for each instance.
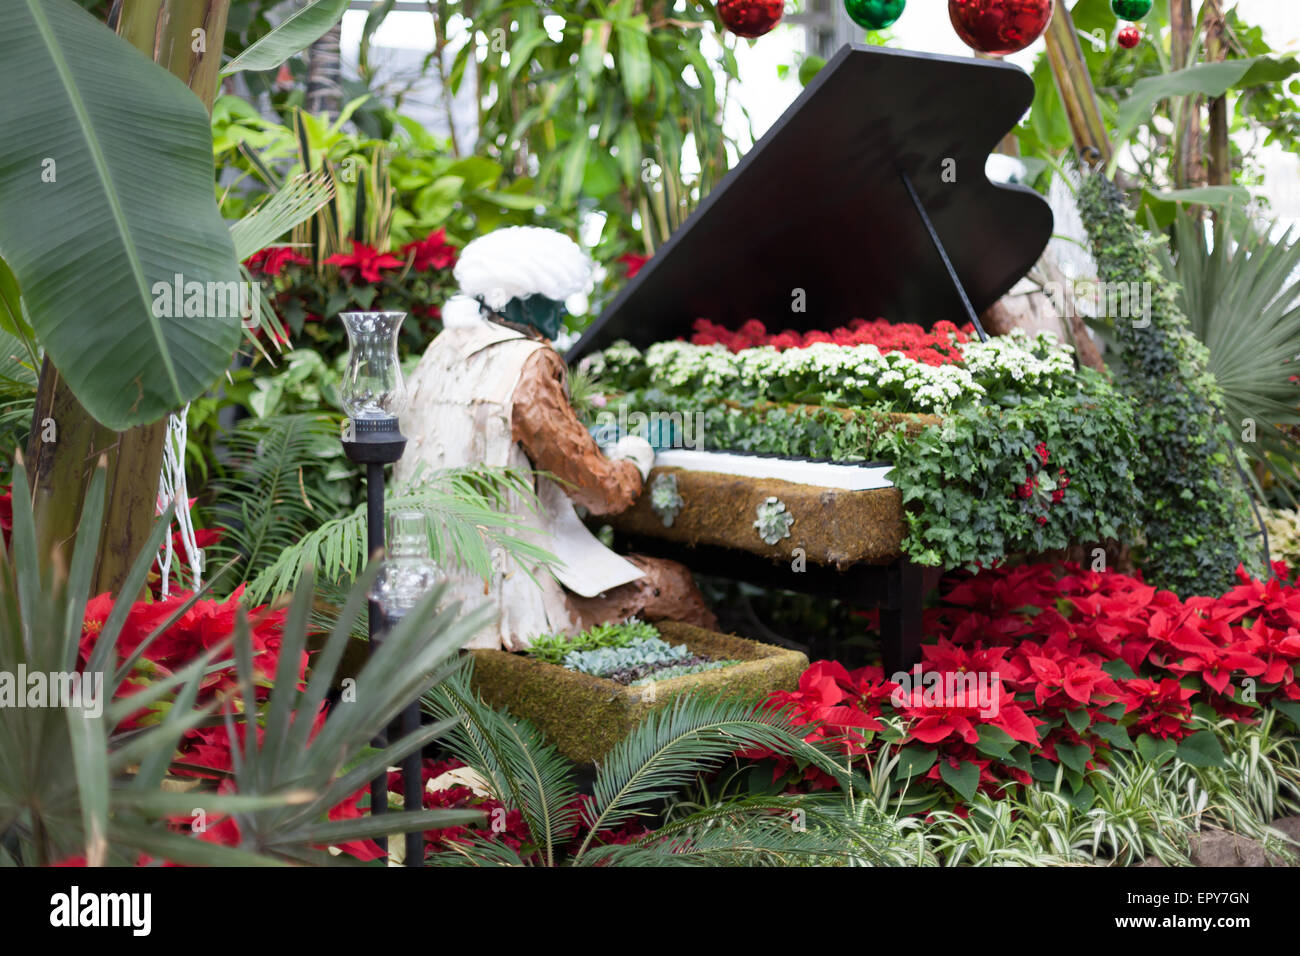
(1196, 510)
(959, 479)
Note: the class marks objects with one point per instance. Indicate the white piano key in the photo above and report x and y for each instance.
(821, 474)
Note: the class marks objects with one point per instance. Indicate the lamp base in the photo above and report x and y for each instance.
(374, 441)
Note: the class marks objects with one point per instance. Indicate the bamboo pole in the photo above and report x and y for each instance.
(1074, 83)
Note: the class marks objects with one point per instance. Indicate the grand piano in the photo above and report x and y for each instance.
(870, 196)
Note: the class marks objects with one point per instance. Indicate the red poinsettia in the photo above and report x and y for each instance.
(430, 253)
(364, 263)
(272, 260)
(1066, 647)
(633, 263)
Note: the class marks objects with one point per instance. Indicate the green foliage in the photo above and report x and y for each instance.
(961, 481)
(469, 515)
(432, 188)
(665, 754)
(128, 176)
(1242, 300)
(618, 108)
(552, 648)
(264, 503)
(1195, 508)
(1132, 82)
(1142, 806)
(84, 780)
(317, 772)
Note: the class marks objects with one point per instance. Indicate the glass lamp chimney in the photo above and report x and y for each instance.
(372, 385)
(408, 573)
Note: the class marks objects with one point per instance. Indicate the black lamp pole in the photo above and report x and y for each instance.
(376, 442)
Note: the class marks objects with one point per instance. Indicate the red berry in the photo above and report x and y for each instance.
(1129, 37)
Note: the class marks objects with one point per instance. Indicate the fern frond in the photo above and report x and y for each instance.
(469, 516)
(264, 504)
(521, 768)
(671, 746)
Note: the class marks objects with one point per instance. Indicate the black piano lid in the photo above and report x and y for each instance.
(820, 204)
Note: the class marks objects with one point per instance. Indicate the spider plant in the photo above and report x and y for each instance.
(662, 756)
(1241, 295)
(77, 782)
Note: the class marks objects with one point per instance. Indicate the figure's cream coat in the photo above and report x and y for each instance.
(459, 413)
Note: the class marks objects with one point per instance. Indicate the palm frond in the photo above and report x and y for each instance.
(265, 504)
(521, 768)
(1242, 299)
(294, 202)
(469, 516)
(674, 744)
(778, 830)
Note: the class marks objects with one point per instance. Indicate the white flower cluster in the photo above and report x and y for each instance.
(683, 365)
(851, 374)
(1015, 357)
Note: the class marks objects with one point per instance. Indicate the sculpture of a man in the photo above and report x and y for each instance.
(491, 390)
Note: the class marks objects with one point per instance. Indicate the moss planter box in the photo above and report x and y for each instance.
(586, 716)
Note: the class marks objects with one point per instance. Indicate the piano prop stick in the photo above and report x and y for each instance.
(867, 198)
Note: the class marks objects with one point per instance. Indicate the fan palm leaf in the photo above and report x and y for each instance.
(1242, 299)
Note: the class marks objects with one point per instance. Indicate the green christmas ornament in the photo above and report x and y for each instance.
(1130, 9)
(875, 14)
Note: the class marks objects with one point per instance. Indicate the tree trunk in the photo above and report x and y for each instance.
(1220, 171)
(185, 37)
(1189, 166)
(324, 73)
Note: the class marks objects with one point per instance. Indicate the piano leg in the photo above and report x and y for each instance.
(900, 616)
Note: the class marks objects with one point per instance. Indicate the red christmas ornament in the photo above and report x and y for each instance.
(750, 18)
(999, 27)
(1129, 37)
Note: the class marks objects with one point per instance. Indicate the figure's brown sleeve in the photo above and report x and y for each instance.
(554, 440)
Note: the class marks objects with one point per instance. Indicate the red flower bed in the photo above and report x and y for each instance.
(205, 752)
(935, 347)
(1075, 666)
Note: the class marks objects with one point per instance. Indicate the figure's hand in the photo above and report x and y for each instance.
(635, 449)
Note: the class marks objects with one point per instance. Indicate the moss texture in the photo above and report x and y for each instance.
(833, 527)
(586, 716)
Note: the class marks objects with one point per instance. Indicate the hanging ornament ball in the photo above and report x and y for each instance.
(999, 27)
(750, 18)
(1129, 37)
(1130, 9)
(874, 14)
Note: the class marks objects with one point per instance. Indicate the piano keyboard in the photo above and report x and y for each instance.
(824, 474)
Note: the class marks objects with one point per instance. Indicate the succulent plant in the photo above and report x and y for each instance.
(774, 521)
(665, 499)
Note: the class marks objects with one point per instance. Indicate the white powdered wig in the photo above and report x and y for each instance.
(521, 261)
(462, 312)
